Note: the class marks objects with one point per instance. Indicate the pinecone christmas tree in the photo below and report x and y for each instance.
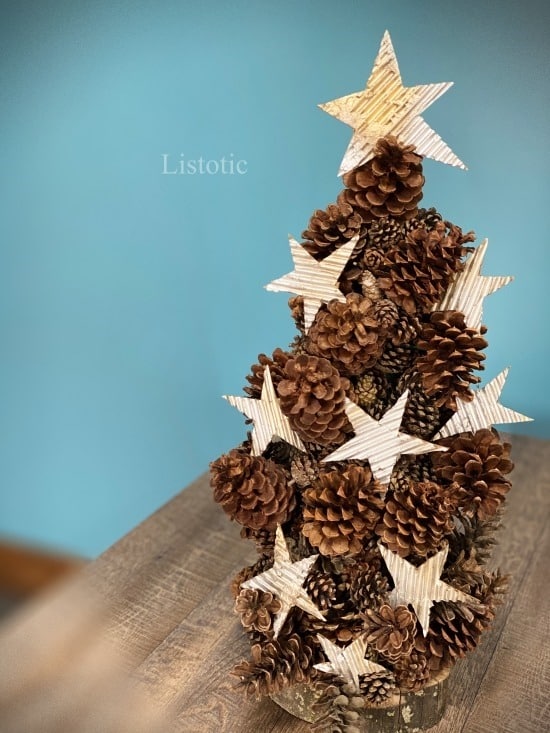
(372, 481)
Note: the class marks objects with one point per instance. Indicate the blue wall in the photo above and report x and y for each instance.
(129, 300)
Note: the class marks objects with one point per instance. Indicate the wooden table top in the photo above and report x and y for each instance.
(163, 596)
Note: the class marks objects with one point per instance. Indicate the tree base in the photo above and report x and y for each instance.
(404, 712)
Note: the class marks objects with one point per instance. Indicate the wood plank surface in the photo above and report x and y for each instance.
(160, 600)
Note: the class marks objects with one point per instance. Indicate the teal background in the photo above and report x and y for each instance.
(129, 300)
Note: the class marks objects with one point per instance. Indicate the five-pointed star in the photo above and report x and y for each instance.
(285, 580)
(347, 662)
(483, 411)
(379, 441)
(269, 421)
(421, 586)
(469, 287)
(316, 281)
(386, 107)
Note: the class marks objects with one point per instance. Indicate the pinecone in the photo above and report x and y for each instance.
(330, 228)
(386, 313)
(417, 520)
(277, 664)
(406, 329)
(264, 539)
(253, 491)
(321, 588)
(412, 672)
(377, 687)
(368, 587)
(385, 232)
(478, 462)
(370, 388)
(296, 305)
(257, 609)
(369, 286)
(390, 184)
(428, 218)
(341, 509)
(298, 346)
(312, 395)
(304, 470)
(276, 365)
(391, 631)
(372, 260)
(419, 269)
(347, 334)
(421, 417)
(337, 707)
(474, 538)
(395, 359)
(453, 351)
(262, 563)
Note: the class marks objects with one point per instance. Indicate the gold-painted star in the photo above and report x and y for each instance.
(379, 441)
(267, 416)
(470, 287)
(348, 662)
(316, 281)
(386, 107)
(285, 581)
(483, 411)
(421, 586)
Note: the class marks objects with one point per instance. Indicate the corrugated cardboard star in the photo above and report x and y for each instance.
(348, 662)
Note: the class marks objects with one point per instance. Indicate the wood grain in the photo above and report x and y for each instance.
(163, 601)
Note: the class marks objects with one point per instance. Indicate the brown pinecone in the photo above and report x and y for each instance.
(312, 395)
(347, 334)
(370, 388)
(413, 672)
(385, 232)
(337, 708)
(453, 351)
(478, 462)
(417, 520)
(395, 359)
(321, 588)
(341, 509)
(369, 286)
(264, 539)
(391, 631)
(257, 609)
(304, 470)
(406, 329)
(474, 538)
(419, 269)
(428, 218)
(368, 587)
(377, 687)
(330, 228)
(390, 184)
(372, 260)
(421, 416)
(254, 491)
(296, 305)
(277, 664)
(276, 365)
(386, 313)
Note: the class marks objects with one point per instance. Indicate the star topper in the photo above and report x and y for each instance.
(347, 662)
(386, 107)
(285, 581)
(421, 586)
(267, 416)
(470, 287)
(483, 411)
(379, 441)
(316, 281)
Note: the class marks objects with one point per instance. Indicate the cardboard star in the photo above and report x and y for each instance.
(348, 662)
(316, 281)
(379, 441)
(421, 586)
(386, 107)
(483, 411)
(267, 416)
(470, 287)
(285, 581)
